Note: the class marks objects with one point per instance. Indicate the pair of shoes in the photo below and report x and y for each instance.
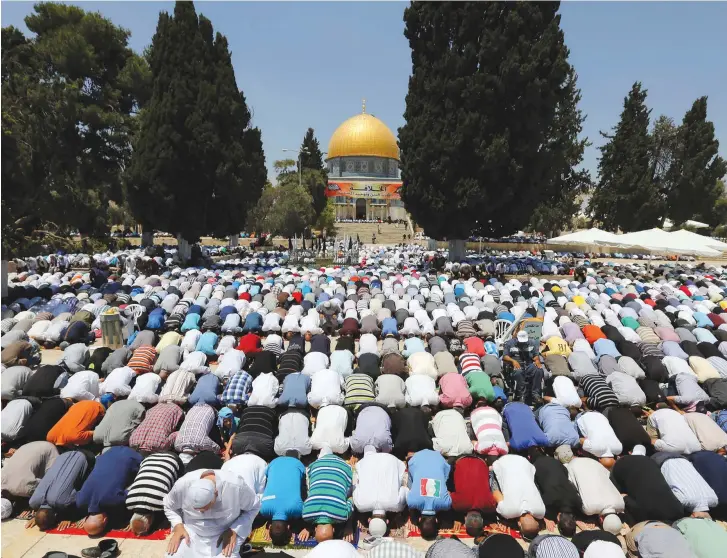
(107, 548)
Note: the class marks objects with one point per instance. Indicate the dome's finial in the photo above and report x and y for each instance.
(363, 106)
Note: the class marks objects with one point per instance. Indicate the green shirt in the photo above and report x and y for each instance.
(480, 385)
(706, 538)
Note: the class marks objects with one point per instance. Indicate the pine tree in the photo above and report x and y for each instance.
(198, 166)
(487, 83)
(696, 167)
(627, 197)
(315, 174)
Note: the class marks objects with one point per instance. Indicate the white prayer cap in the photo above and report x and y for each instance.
(612, 524)
(200, 493)
(603, 549)
(377, 527)
(638, 450)
(7, 508)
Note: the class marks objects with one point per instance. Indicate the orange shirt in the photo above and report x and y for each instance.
(76, 426)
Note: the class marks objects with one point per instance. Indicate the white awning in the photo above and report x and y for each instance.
(658, 240)
(589, 236)
(700, 241)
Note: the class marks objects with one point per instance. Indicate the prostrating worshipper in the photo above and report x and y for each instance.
(118, 382)
(56, 492)
(598, 438)
(428, 474)
(15, 417)
(256, 433)
(646, 493)
(524, 430)
(487, 427)
(449, 548)
(627, 428)
(119, 422)
(373, 428)
(330, 430)
(237, 391)
(13, 379)
(24, 469)
(194, 434)
(178, 386)
(333, 549)
(548, 545)
(516, 494)
(82, 386)
(282, 500)
(75, 428)
(411, 431)
(670, 432)
(713, 469)
(686, 483)
(654, 539)
(146, 388)
(105, 488)
(555, 421)
(599, 395)
(158, 430)
(711, 437)
(583, 540)
(294, 433)
(46, 381)
(706, 538)
(598, 494)
(145, 498)
(251, 469)
(470, 494)
(45, 418)
(326, 388)
(523, 355)
(205, 461)
(604, 549)
(206, 390)
(454, 391)
(211, 514)
(500, 546)
(295, 391)
(330, 480)
(379, 488)
(561, 498)
(449, 433)
(421, 391)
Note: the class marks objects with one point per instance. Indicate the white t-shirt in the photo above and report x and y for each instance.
(421, 390)
(314, 362)
(565, 392)
(81, 386)
(601, 440)
(329, 429)
(118, 382)
(264, 390)
(593, 482)
(516, 477)
(326, 385)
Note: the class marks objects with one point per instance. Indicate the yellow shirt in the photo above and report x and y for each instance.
(556, 346)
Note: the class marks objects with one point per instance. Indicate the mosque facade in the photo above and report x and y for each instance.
(363, 170)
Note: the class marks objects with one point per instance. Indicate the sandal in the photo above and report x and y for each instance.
(107, 548)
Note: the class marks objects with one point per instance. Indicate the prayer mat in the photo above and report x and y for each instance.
(260, 537)
(493, 528)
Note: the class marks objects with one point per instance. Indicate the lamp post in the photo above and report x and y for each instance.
(300, 163)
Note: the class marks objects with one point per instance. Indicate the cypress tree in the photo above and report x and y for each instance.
(696, 167)
(627, 197)
(488, 80)
(315, 174)
(197, 165)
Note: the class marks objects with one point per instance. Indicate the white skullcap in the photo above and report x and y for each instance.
(200, 493)
(7, 508)
(603, 549)
(377, 527)
(612, 524)
(638, 450)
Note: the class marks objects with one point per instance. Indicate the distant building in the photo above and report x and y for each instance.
(363, 170)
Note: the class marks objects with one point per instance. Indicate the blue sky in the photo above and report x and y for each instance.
(309, 64)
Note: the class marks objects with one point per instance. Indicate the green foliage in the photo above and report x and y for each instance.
(69, 98)
(284, 166)
(696, 167)
(315, 174)
(326, 222)
(626, 197)
(489, 80)
(198, 165)
(285, 209)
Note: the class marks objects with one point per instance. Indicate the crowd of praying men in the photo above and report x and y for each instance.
(316, 400)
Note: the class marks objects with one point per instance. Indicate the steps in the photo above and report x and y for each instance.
(389, 233)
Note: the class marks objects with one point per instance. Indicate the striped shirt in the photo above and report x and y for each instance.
(359, 389)
(143, 359)
(291, 361)
(469, 362)
(330, 480)
(688, 485)
(599, 393)
(157, 474)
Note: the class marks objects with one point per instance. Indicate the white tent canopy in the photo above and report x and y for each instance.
(699, 241)
(590, 236)
(662, 241)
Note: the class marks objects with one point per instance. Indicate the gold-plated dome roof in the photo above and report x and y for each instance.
(363, 135)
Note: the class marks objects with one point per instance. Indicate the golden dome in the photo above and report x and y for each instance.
(363, 135)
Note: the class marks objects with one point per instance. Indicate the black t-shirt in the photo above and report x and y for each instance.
(410, 431)
(655, 369)
(629, 349)
(320, 344)
(559, 494)
(45, 418)
(627, 428)
(691, 348)
(40, 384)
(291, 361)
(262, 363)
(612, 333)
(648, 494)
(97, 358)
(345, 344)
(204, 460)
(368, 363)
(256, 432)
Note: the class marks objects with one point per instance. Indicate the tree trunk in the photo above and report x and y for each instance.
(147, 239)
(184, 249)
(457, 250)
(234, 240)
